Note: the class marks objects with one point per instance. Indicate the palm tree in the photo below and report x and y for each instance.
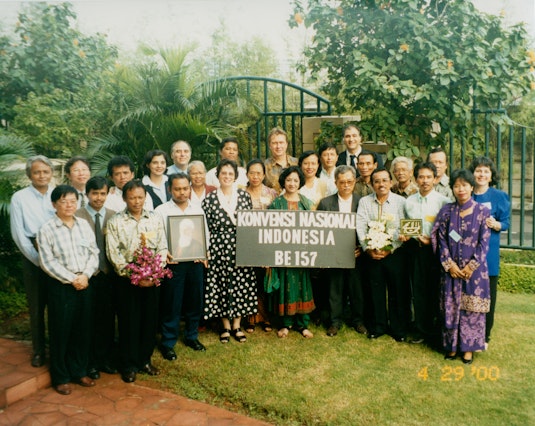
(159, 102)
(12, 149)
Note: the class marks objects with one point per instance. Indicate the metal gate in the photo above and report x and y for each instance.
(511, 147)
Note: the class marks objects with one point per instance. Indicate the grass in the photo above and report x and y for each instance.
(349, 380)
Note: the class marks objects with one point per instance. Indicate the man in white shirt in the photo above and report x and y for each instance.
(121, 171)
(424, 267)
(30, 209)
(181, 295)
(181, 156)
(228, 149)
(388, 281)
(328, 158)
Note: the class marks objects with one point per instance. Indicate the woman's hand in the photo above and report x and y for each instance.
(456, 272)
(466, 273)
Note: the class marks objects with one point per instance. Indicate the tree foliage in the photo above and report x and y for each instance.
(407, 64)
(158, 101)
(53, 75)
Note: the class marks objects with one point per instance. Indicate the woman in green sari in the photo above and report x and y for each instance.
(291, 287)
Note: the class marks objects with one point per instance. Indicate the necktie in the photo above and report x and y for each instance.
(102, 265)
(82, 202)
(352, 160)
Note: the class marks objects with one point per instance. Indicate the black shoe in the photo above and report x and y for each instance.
(38, 360)
(450, 357)
(400, 339)
(106, 368)
(168, 353)
(149, 369)
(361, 329)
(195, 345)
(467, 361)
(332, 331)
(375, 335)
(128, 376)
(93, 373)
(416, 340)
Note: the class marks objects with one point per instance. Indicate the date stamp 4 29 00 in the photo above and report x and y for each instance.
(449, 373)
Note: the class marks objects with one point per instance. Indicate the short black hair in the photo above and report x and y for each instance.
(325, 146)
(131, 185)
(176, 176)
(70, 162)
(287, 172)
(380, 169)
(96, 183)
(226, 162)
(425, 165)
(483, 161)
(436, 150)
(61, 190)
(367, 152)
(231, 139)
(118, 161)
(256, 161)
(462, 174)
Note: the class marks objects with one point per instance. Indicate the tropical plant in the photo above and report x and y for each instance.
(158, 102)
(12, 149)
(413, 68)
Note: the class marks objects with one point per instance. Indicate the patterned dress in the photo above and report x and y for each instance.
(230, 290)
(291, 286)
(461, 235)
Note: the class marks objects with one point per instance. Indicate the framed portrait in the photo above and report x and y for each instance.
(186, 237)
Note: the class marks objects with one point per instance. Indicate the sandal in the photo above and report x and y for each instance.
(224, 337)
(283, 332)
(238, 335)
(305, 332)
(250, 328)
(266, 326)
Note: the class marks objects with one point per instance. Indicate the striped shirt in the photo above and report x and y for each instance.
(66, 252)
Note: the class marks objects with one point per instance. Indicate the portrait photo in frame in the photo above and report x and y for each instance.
(186, 238)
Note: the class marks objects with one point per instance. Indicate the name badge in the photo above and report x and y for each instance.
(488, 205)
(84, 242)
(455, 236)
(430, 219)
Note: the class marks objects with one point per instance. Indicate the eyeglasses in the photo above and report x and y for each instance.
(64, 202)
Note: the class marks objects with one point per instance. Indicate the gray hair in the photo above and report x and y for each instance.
(177, 142)
(36, 159)
(196, 163)
(405, 160)
(344, 169)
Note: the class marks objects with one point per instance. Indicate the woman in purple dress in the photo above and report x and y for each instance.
(461, 236)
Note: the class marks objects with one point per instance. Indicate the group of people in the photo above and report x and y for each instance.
(79, 242)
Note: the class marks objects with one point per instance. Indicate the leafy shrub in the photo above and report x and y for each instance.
(517, 279)
(12, 304)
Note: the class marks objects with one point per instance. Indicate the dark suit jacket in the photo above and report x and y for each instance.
(84, 214)
(330, 203)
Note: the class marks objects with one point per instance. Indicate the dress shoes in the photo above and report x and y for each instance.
(467, 360)
(93, 373)
(63, 389)
(107, 369)
(128, 376)
(332, 331)
(375, 335)
(450, 356)
(361, 329)
(38, 360)
(195, 345)
(400, 339)
(417, 340)
(168, 353)
(85, 381)
(149, 369)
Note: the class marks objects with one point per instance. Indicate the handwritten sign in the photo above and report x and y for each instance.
(296, 239)
(410, 227)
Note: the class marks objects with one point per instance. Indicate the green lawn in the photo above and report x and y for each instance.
(350, 380)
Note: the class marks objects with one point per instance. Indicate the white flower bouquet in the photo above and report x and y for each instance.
(380, 233)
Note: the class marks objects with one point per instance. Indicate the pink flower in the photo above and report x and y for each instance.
(146, 265)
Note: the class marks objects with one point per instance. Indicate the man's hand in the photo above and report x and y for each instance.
(81, 282)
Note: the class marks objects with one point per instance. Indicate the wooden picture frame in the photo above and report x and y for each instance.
(186, 238)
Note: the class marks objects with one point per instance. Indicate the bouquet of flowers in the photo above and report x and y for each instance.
(146, 266)
(380, 233)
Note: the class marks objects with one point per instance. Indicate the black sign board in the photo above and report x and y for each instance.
(296, 239)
